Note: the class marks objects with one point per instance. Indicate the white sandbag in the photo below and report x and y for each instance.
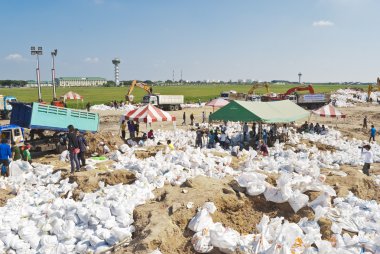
(156, 251)
(210, 207)
(225, 239)
(298, 200)
(323, 200)
(201, 241)
(200, 221)
(256, 188)
(124, 148)
(64, 156)
(17, 168)
(122, 233)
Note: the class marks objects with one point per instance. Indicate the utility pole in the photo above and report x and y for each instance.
(181, 77)
(173, 76)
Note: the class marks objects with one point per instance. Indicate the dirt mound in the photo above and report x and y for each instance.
(361, 185)
(108, 138)
(149, 151)
(88, 181)
(167, 216)
(320, 146)
(5, 194)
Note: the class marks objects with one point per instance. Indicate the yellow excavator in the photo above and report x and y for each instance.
(373, 89)
(258, 85)
(129, 97)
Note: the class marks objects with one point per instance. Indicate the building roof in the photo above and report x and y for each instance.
(266, 112)
(82, 78)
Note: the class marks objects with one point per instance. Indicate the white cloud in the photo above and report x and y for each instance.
(323, 23)
(92, 60)
(15, 57)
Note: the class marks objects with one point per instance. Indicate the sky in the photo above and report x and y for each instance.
(325, 40)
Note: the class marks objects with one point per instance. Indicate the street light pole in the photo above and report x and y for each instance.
(53, 54)
(37, 52)
(299, 77)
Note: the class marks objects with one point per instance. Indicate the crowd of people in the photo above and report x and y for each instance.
(311, 128)
(256, 136)
(16, 152)
(116, 105)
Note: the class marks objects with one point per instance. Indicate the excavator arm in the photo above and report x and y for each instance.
(300, 88)
(373, 89)
(255, 86)
(147, 88)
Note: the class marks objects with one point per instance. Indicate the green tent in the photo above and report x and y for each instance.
(266, 112)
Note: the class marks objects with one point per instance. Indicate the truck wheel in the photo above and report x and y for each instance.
(8, 115)
(176, 107)
(172, 108)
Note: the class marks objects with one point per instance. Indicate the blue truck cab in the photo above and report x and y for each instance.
(12, 132)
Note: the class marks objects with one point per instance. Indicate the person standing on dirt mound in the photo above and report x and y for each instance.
(191, 119)
(372, 133)
(73, 148)
(184, 118)
(123, 126)
(82, 147)
(368, 158)
(365, 122)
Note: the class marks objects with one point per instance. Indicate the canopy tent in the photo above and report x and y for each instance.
(328, 111)
(71, 96)
(266, 112)
(217, 103)
(149, 114)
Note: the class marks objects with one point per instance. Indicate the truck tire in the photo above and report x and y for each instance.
(176, 107)
(172, 107)
(7, 115)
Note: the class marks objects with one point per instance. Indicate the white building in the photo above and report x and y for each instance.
(81, 81)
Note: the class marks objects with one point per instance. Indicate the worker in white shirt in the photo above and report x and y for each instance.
(368, 158)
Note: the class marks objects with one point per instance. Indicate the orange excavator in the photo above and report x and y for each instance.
(129, 97)
(288, 93)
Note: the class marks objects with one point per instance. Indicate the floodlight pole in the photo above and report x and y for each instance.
(37, 52)
(53, 54)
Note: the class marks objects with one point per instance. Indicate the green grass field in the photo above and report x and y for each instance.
(99, 95)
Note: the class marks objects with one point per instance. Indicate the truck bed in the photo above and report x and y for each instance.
(46, 117)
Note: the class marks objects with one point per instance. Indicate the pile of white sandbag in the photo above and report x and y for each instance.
(193, 105)
(277, 235)
(43, 218)
(100, 107)
(349, 97)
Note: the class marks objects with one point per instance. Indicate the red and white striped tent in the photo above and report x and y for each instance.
(71, 96)
(149, 114)
(328, 111)
(217, 103)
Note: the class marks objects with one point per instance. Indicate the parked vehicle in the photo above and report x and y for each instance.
(5, 106)
(166, 102)
(12, 132)
(48, 122)
(309, 101)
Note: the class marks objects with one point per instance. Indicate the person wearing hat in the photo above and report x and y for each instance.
(17, 155)
(27, 156)
(5, 156)
(368, 158)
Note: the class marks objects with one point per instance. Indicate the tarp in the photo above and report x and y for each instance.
(148, 114)
(71, 96)
(266, 112)
(328, 111)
